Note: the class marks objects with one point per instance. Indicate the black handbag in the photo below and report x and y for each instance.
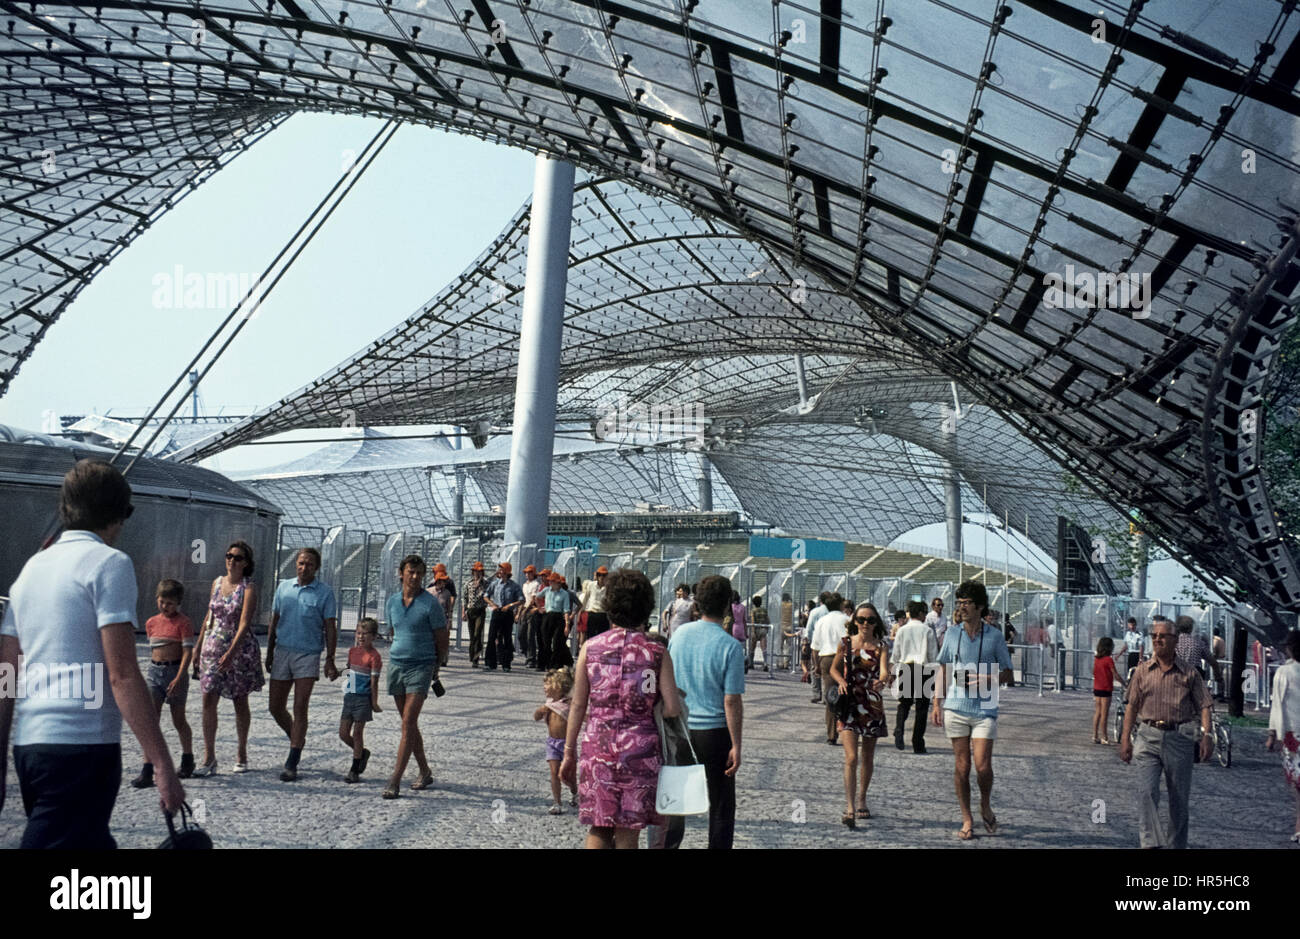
(190, 837)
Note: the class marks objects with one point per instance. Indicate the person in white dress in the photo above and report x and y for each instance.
(1284, 720)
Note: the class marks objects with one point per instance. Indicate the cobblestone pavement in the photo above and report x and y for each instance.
(491, 787)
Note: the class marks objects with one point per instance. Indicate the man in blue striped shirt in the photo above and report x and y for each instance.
(966, 699)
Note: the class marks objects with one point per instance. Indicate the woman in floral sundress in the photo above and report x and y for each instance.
(619, 677)
(867, 675)
(230, 663)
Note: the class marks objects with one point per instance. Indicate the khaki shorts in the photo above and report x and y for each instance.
(977, 728)
(288, 664)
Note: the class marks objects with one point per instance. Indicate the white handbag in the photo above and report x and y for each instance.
(682, 790)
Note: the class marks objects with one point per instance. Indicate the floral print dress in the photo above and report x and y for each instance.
(618, 772)
(862, 670)
(245, 673)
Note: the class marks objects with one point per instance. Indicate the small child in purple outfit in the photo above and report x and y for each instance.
(558, 686)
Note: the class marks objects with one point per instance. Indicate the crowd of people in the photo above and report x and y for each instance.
(645, 690)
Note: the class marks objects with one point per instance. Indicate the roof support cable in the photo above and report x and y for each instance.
(256, 294)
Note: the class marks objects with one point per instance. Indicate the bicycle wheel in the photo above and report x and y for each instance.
(1223, 744)
(1119, 723)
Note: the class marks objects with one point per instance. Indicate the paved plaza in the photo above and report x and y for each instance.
(491, 787)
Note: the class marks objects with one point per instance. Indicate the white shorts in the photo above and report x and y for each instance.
(977, 728)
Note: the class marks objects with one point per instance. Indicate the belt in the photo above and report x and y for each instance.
(1163, 725)
(165, 661)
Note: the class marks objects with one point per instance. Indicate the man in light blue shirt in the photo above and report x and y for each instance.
(709, 667)
(973, 662)
(303, 624)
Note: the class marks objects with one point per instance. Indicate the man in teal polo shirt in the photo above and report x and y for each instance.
(973, 662)
(709, 667)
(303, 624)
(419, 644)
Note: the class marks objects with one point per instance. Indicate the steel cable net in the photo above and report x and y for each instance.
(934, 161)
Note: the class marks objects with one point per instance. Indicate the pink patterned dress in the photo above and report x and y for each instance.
(245, 673)
(618, 771)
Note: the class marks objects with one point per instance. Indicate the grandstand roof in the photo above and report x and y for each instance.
(932, 163)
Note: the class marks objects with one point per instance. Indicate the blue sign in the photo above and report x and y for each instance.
(560, 542)
(797, 549)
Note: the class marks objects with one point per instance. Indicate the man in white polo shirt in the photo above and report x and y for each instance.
(915, 653)
(68, 638)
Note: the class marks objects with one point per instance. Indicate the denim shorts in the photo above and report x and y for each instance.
(160, 675)
(409, 677)
(357, 708)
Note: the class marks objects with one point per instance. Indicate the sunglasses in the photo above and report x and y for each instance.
(231, 556)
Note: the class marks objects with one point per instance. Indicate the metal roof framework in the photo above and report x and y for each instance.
(932, 162)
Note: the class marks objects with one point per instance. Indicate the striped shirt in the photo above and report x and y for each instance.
(1176, 694)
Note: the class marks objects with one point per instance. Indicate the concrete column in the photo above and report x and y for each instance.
(952, 494)
(706, 484)
(1138, 587)
(533, 431)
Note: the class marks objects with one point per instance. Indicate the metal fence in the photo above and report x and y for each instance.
(1056, 633)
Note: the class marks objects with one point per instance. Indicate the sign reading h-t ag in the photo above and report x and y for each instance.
(560, 542)
(797, 549)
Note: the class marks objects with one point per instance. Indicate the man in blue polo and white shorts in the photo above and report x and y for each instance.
(303, 624)
(973, 662)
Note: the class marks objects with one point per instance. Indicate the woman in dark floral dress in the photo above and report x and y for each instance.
(867, 675)
(620, 676)
(230, 663)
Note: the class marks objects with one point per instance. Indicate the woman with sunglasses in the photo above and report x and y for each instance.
(865, 657)
(230, 663)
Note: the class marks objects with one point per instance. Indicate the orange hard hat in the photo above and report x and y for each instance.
(602, 569)
(476, 566)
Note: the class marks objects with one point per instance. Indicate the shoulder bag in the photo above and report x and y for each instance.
(682, 790)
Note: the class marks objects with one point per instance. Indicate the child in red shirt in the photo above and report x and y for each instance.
(171, 646)
(1104, 675)
(360, 696)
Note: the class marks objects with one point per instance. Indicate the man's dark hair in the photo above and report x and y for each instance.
(973, 590)
(1184, 624)
(823, 597)
(713, 594)
(312, 551)
(94, 495)
(1292, 644)
(785, 598)
(834, 603)
(629, 598)
(169, 589)
(757, 600)
(1133, 620)
(686, 587)
(916, 610)
(900, 615)
(412, 560)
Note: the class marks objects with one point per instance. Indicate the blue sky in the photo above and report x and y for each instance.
(422, 213)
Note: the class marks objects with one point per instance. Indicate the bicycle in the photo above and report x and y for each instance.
(1119, 720)
(1222, 734)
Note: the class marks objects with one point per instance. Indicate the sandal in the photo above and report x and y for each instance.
(424, 782)
(966, 834)
(391, 792)
(863, 812)
(848, 820)
(990, 824)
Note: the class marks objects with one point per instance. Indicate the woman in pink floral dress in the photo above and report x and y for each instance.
(230, 663)
(620, 676)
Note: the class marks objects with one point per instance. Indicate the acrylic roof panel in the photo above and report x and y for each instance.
(871, 154)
